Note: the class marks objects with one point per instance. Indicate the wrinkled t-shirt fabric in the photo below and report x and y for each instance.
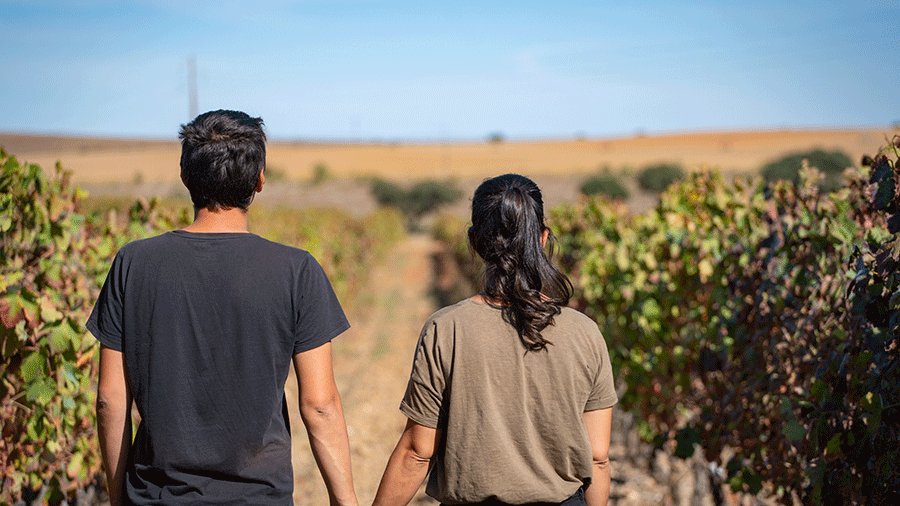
(511, 421)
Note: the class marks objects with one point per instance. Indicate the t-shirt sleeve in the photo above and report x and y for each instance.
(105, 321)
(425, 390)
(320, 317)
(603, 392)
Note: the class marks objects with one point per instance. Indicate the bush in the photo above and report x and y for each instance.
(606, 185)
(274, 173)
(321, 174)
(787, 168)
(387, 193)
(757, 323)
(422, 198)
(496, 138)
(656, 178)
(426, 196)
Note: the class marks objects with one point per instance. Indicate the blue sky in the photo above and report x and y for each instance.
(377, 70)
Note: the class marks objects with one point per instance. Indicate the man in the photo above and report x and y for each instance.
(199, 327)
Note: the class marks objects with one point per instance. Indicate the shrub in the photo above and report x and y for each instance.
(321, 174)
(458, 269)
(274, 173)
(656, 178)
(606, 185)
(757, 323)
(426, 196)
(387, 193)
(422, 198)
(496, 138)
(787, 168)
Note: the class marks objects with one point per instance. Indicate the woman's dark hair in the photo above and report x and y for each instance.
(507, 225)
(222, 154)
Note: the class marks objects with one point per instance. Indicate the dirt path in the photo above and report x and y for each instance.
(372, 362)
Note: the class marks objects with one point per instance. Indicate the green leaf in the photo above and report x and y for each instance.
(752, 480)
(32, 367)
(844, 230)
(60, 338)
(834, 445)
(686, 440)
(651, 309)
(49, 312)
(70, 372)
(794, 431)
(75, 469)
(885, 191)
(41, 391)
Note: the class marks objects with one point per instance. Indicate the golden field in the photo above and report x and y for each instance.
(96, 160)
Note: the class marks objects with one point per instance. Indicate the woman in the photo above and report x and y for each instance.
(511, 392)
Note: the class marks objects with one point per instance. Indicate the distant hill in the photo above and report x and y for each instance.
(34, 144)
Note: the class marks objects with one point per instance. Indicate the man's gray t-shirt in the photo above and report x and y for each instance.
(511, 421)
(208, 324)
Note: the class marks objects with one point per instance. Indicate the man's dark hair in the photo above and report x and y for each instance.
(222, 154)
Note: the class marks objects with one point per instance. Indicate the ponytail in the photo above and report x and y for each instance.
(506, 232)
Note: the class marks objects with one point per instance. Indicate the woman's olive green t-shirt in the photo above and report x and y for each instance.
(511, 421)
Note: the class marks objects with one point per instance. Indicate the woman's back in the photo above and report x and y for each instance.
(511, 419)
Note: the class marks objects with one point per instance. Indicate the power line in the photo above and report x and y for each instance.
(192, 88)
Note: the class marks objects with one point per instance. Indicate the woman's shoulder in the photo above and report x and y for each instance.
(576, 317)
(461, 310)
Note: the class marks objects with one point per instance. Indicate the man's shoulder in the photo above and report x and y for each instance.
(273, 250)
(140, 246)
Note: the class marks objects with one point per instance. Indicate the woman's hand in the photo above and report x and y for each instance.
(408, 465)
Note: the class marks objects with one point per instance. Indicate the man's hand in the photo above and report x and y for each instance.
(323, 416)
(114, 420)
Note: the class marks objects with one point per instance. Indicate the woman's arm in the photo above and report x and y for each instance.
(599, 426)
(113, 420)
(408, 465)
(323, 416)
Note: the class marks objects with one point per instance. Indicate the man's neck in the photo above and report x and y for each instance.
(230, 220)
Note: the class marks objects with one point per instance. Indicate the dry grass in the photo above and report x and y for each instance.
(120, 160)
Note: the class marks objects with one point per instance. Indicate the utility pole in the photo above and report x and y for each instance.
(192, 88)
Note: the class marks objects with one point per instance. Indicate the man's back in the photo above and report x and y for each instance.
(207, 324)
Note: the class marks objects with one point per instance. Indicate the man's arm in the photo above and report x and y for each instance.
(408, 465)
(323, 416)
(114, 420)
(599, 427)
